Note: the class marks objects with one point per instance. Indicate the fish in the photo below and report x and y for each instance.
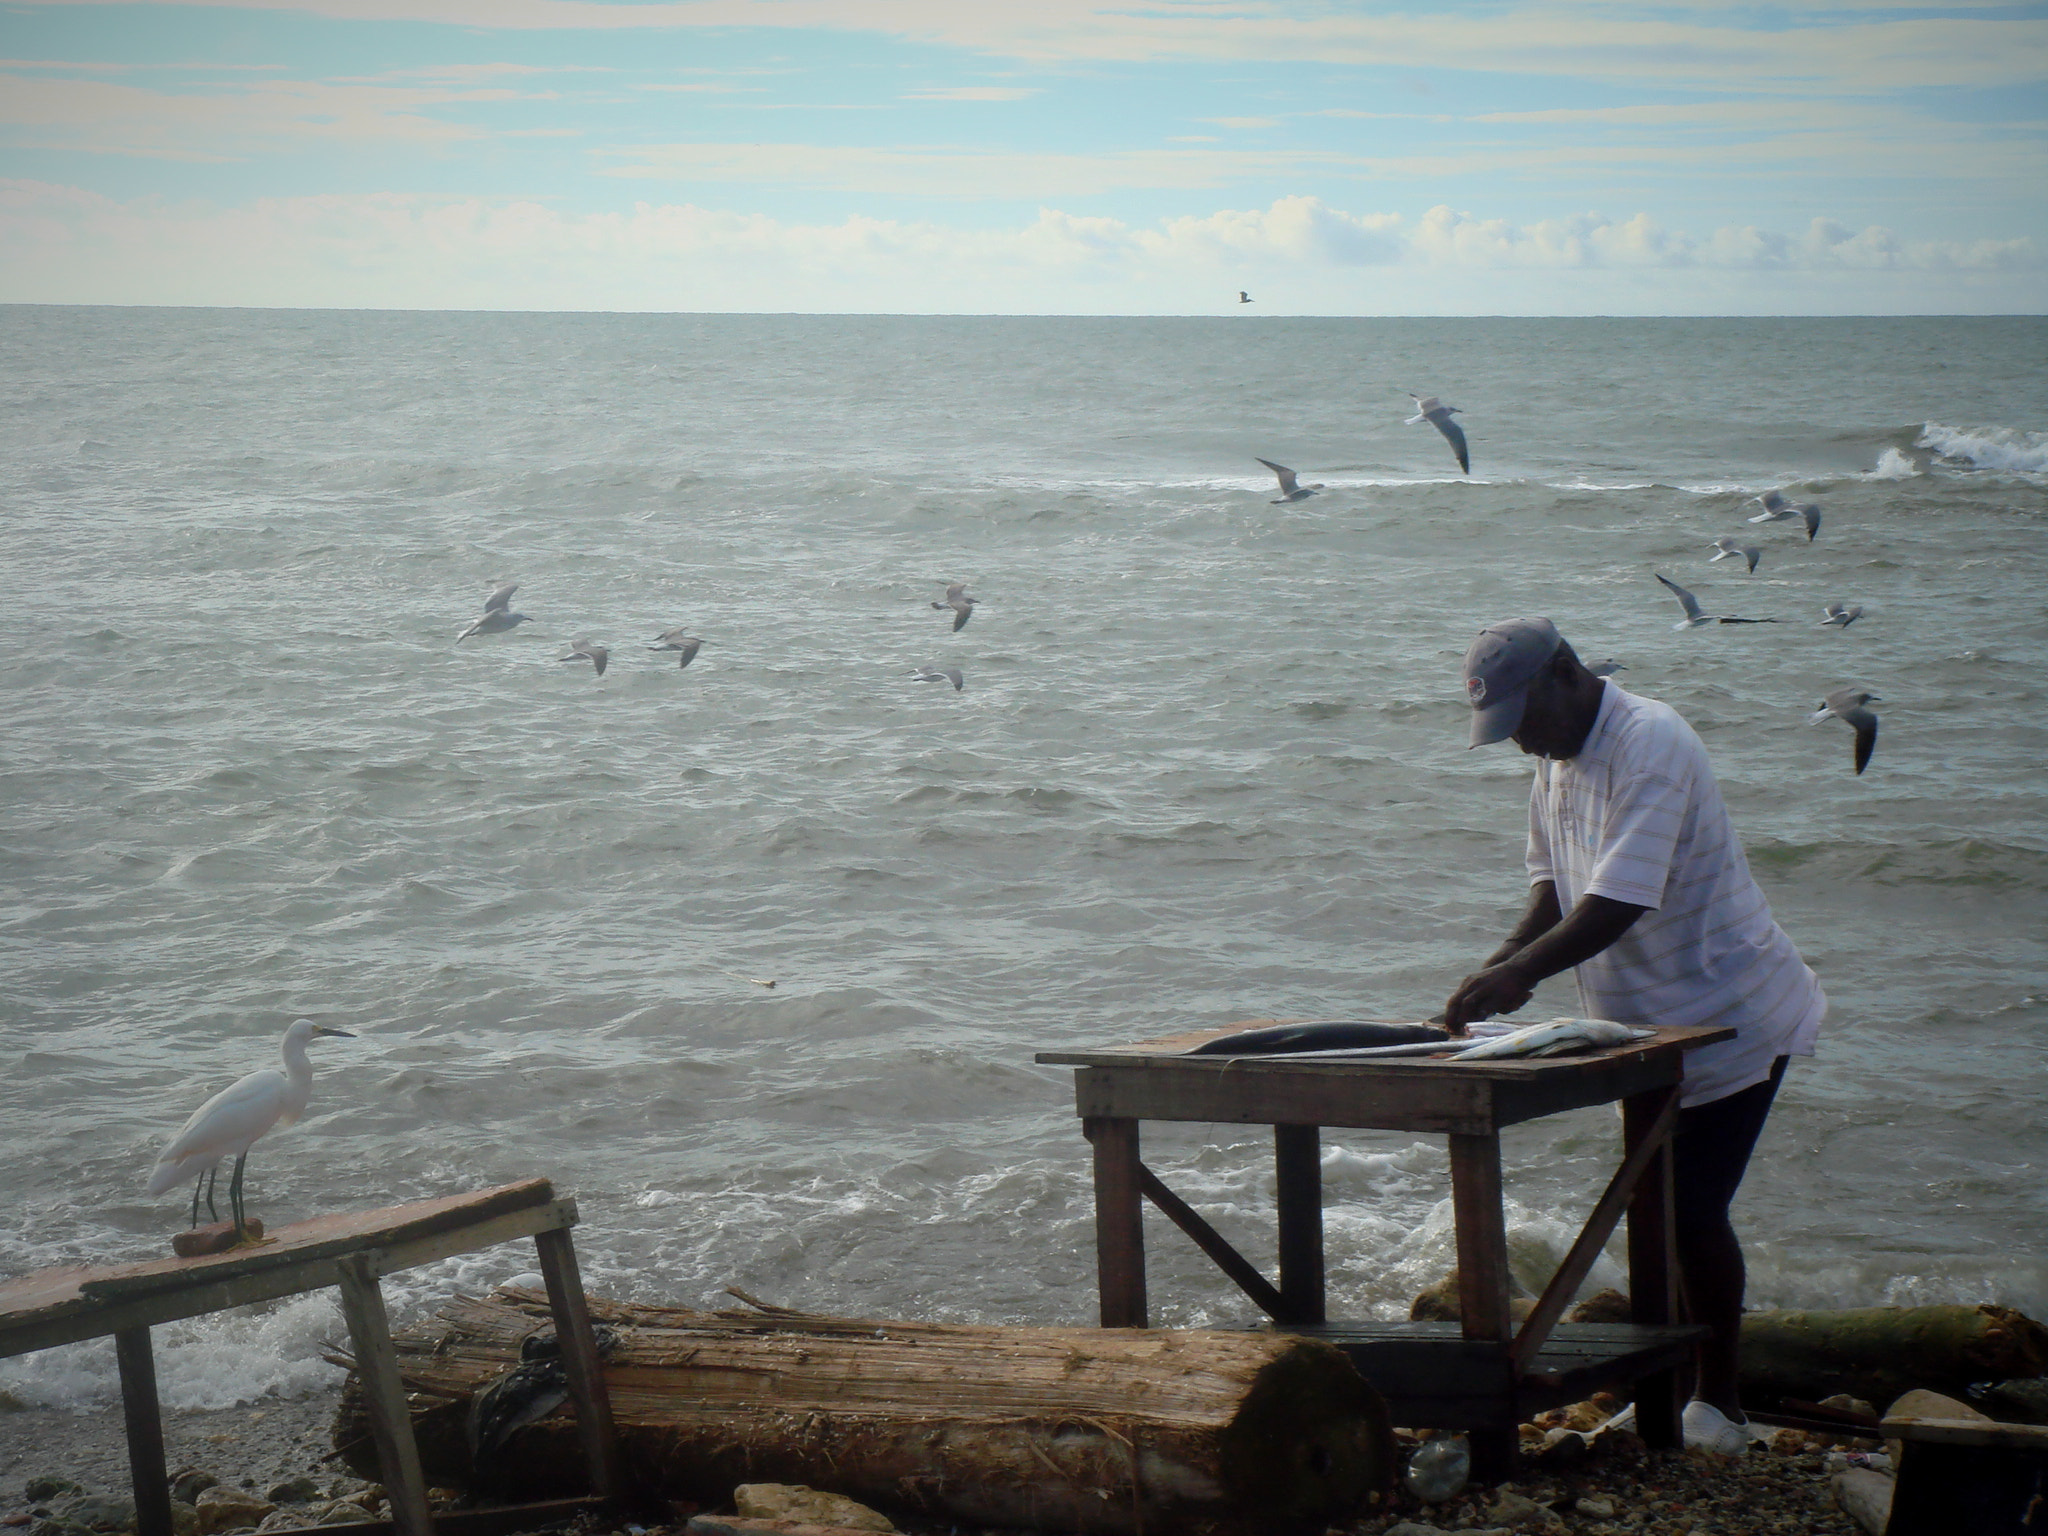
(1321, 1035)
(1556, 1037)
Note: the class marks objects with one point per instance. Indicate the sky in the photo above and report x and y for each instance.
(1028, 156)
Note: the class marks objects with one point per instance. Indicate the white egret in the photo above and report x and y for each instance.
(230, 1122)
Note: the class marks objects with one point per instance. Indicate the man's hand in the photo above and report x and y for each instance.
(1499, 988)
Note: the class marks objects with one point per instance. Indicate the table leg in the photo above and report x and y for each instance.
(1298, 1170)
(1652, 1264)
(145, 1432)
(398, 1454)
(1119, 1221)
(1483, 1286)
(580, 1362)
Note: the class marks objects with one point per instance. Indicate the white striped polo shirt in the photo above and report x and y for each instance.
(1637, 817)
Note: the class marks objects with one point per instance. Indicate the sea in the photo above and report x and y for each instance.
(1209, 764)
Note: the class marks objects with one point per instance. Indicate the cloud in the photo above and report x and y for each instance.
(1818, 49)
(64, 245)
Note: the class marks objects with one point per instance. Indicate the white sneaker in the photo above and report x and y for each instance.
(1707, 1428)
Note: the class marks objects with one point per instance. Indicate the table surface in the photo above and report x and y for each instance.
(1171, 1051)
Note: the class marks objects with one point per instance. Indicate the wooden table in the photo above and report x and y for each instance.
(64, 1306)
(1480, 1374)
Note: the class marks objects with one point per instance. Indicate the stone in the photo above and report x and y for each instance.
(1439, 1303)
(1415, 1528)
(187, 1483)
(1608, 1306)
(296, 1490)
(741, 1525)
(1593, 1507)
(790, 1501)
(292, 1519)
(1519, 1512)
(1865, 1496)
(9, 1403)
(98, 1511)
(1562, 1448)
(338, 1512)
(1590, 1414)
(1921, 1404)
(216, 1237)
(52, 1527)
(231, 1509)
(2014, 1402)
(40, 1490)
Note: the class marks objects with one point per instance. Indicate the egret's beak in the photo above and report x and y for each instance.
(322, 1029)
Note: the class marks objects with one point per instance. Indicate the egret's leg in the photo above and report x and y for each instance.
(235, 1199)
(212, 1211)
(197, 1185)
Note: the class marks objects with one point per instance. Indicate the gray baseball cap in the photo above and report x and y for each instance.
(1498, 670)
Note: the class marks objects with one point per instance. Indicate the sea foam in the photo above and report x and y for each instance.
(2002, 448)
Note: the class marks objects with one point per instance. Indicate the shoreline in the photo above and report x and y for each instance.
(258, 1443)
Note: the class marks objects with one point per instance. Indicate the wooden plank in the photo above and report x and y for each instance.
(321, 1237)
(1298, 1179)
(66, 1317)
(1653, 1257)
(1174, 1047)
(1591, 1241)
(398, 1455)
(506, 1520)
(1226, 1258)
(1483, 1287)
(144, 1424)
(580, 1363)
(2018, 1437)
(1119, 1222)
(1220, 1090)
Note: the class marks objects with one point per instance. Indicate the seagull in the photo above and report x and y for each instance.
(1693, 617)
(1243, 297)
(1733, 548)
(1291, 488)
(1778, 510)
(961, 604)
(232, 1121)
(1841, 615)
(935, 675)
(676, 640)
(1848, 704)
(1432, 410)
(585, 650)
(497, 614)
(1606, 668)
(501, 597)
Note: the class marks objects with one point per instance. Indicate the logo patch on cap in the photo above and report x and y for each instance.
(1475, 690)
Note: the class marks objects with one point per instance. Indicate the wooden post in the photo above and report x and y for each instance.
(1298, 1174)
(145, 1432)
(1652, 1258)
(1483, 1286)
(1119, 1221)
(369, 1328)
(580, 1362)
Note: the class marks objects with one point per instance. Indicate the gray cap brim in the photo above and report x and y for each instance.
(1497, 721)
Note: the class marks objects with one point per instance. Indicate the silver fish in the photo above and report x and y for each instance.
(1557, 1037)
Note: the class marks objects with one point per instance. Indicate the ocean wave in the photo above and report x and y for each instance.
(2012, 450)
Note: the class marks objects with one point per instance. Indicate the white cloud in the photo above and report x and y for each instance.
(63, 245)
(974, 93)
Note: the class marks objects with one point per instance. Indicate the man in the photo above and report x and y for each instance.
(1637, 883)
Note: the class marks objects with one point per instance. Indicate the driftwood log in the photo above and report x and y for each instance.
(1070, 1429)
(1876, 1353)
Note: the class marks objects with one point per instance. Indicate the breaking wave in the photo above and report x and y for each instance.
(2009, 449)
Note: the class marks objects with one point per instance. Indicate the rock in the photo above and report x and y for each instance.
(1608, 1306)
(184, 1519)
(187, 1483)
(230, 1509)
(98, 1511)
(1562, 1448)
(789, 1501)
(1844, 1403)
(1593, 1507)
(1518, 1512)
(741, 1525)
(297, 1490)
(54, 1527)
(1865, 1496)
(2015, 1402)
(9, 1403)
(41, 1490)
(1415, 1528)
(1918, 1404)
(293, 1519)
(1439, 1304)
(1591, 1414)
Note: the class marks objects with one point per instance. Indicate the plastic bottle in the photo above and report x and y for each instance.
(1440, 1468)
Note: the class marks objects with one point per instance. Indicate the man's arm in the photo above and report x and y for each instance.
(1545, 942)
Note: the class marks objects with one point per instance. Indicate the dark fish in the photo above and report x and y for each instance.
(1321, 1035)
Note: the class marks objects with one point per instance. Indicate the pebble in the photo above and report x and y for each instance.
(1593, 1507)
(791, 1501)
(187, 1483)
(230, 1509)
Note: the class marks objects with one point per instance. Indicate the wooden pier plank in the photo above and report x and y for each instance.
(143, 1421)
(1119, 1222)
(1298, 1182)
(369, 1328)
(580, 1363)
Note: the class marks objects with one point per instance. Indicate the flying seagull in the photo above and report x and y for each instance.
(585, 650)
(1841, 615)
(1432, 410)
(497, 615)
(961, 604)
(1693, 617)
(1291, 488)
(1243, 297)
(1778, 510)
(938, 675)
(1847, 703)
(1606, 668)
(676, 640)
(1736, 549)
